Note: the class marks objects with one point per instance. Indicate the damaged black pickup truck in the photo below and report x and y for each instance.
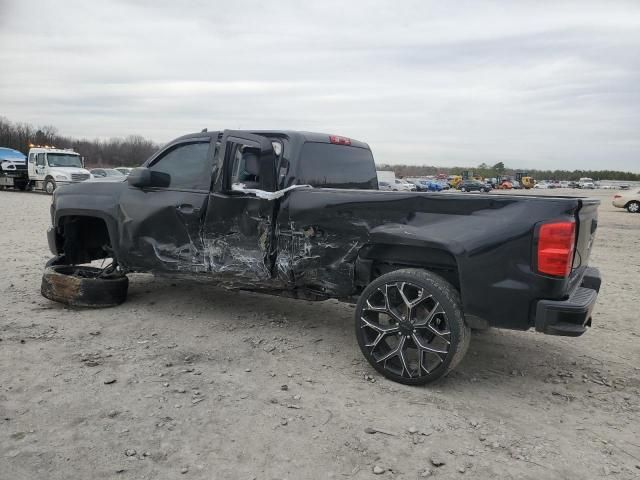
(299, 214)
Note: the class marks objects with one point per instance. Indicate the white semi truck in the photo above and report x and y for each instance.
(45, 168)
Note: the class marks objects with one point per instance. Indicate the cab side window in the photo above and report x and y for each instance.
(40, 160)
(246, 167)
(189, 166)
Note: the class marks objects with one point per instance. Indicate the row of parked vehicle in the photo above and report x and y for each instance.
(413, 185)
(433, 185)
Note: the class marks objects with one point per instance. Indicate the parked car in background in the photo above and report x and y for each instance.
(107, 175)
(427, 186)
(629, 200)
(385, 186)
(403, 186)
(473, 186)
(586, 183)
(124, 170)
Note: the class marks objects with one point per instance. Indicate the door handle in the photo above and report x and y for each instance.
(186, 208)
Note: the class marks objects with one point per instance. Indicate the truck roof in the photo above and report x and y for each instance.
(52, 150)
(295, 135)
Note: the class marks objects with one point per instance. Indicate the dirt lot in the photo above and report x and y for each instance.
(188, 381)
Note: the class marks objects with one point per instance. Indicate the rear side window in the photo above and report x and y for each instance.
(337, 166)
(188, 165)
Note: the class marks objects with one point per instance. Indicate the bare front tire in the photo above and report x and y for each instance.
(410, 326)
(81, 286)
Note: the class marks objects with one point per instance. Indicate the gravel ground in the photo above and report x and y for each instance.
(185, 380)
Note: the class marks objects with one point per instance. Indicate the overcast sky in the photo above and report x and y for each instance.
(533, 84)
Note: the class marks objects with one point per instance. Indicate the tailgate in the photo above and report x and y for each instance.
(587, 223)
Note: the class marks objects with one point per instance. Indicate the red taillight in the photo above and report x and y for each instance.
(339, 140)
(617, 196)
(556, 243)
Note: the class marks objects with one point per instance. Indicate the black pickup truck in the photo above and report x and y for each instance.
(300, 214)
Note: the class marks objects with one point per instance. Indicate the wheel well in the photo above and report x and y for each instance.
(376, 260)
(84, 238)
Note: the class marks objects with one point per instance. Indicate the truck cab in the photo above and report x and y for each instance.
(49, 167)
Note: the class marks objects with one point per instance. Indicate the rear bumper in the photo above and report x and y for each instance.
(570, 317)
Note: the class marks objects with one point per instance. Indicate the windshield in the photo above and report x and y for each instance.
(112, 172)
(64, 160)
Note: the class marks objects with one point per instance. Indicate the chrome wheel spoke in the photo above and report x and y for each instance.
(380, 330)
(432, 313)
(420, 365)
(405, 368)
(440, 334)
(411, 304)
(425, 347)
(399, 352)
(393, 352)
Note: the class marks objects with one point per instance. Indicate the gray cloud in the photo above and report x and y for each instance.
(533, 84)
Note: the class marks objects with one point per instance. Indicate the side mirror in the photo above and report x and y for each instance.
(142, 177)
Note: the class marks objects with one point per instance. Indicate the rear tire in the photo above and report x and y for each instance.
(633, 207)
(410, 326)
(80, 286)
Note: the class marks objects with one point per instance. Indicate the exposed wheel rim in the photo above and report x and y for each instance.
(634, 207)
(405, 330)
(49, 188)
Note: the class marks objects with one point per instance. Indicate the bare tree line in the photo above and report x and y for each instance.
(133, 150)
(130, 151)
(486, 171)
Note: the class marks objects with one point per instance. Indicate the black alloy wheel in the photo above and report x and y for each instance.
(410, 327)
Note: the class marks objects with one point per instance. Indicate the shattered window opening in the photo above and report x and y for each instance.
(245, 168)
